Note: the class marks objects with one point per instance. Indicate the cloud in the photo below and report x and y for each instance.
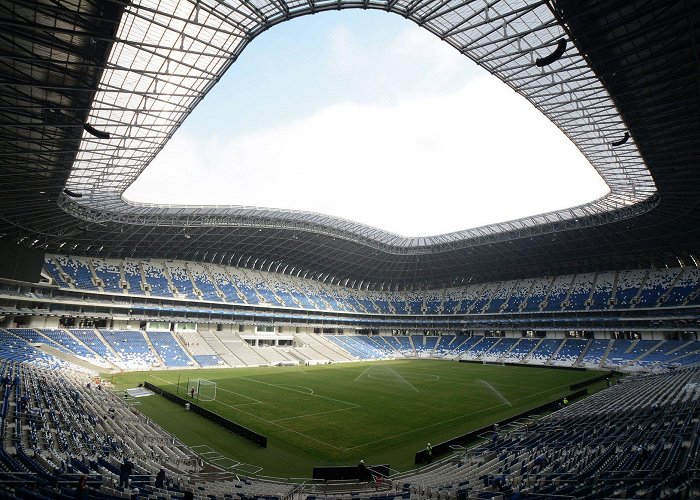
(423, 165)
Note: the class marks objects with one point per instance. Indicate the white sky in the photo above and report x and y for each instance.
(364, 116)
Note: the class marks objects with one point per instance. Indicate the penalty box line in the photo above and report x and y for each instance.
(272, 422)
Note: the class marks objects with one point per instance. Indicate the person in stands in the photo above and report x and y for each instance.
(81, 488)
(160, 478)
(124, 472)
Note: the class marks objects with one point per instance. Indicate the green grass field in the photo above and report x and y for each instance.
(382, 412)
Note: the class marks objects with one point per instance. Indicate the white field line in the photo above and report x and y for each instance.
(403, 379)
(275, 423)
(363, 372)
(239, 394)
(312, 414)
(309, 389)
(455, 418)
(301, 392)
(254, 401)
(283, 427)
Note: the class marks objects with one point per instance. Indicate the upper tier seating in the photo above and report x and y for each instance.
(580, 292)
(603, 291)
(200, 276)
(538, 293)
(155, 277)
(52, 270)
(79, 272)
(639, 289)
(558, 292)
(109, 274)
(629, 284)
(132, 275)
(181, 280)
(500, 296)
(658, 283)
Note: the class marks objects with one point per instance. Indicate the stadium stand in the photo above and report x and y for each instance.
(92, 91)
(71, 343)
(569, 352)
(202, 281)
(500, 348)
(74, 429)
(35, 337)
(544, 351)
(538, 292)
(169, 349)
(629, 284)
(254, 280)
(675, 287)
(16, 349)
(595, 352)
(518, 296)
(247, 290)
(109, 275)
(181, 282)
(520, 350)
(226, 286)
(603, 290)
(92, 340)
(647, 452)
(480, 347)
(52, 270)
(132, 276)
(132, 347)
(557, 293)
(78, 272)
(499, 297)
(580, 292)
(156, 279)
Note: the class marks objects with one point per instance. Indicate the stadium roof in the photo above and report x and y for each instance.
(93, 90)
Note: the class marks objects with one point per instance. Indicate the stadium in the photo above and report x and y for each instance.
(240, 352)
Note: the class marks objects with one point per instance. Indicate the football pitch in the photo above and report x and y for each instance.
(382, 412)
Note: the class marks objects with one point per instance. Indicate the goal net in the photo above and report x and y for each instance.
(204, 390)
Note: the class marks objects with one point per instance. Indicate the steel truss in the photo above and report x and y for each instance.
(136, 70)
(165, 59)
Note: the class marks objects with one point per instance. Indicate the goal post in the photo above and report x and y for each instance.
(204, 390)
